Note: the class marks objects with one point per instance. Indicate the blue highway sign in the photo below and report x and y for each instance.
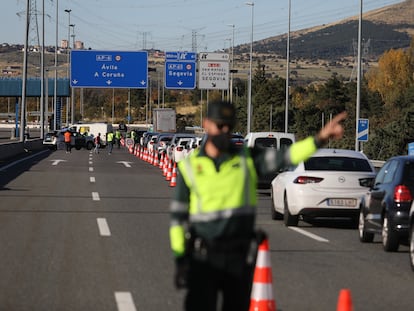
(180, 70)
(109, 69)
(363, 127)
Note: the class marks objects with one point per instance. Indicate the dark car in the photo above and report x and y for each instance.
(385, 208)
(411, 233)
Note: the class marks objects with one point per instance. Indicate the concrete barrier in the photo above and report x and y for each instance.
(12, 149)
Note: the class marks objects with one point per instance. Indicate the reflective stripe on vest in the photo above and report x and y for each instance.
(219, 195)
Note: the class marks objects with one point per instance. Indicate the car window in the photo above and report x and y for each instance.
(345, 164)
(285, 143)
(380, 176)
(390, 172)
(408, 177)
(265, 142)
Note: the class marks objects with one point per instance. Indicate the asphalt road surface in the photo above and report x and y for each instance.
(85, 231)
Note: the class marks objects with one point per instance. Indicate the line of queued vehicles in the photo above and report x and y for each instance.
(332, 184)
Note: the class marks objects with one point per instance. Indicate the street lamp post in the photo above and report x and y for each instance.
(287, 73)
(249, 91)
(72, 95)
(68, 60)
(232, 63)
(358, 99)
(56, 75)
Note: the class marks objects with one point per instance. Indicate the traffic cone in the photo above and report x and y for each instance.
(155, 158)
(261, 298)
(169, 172)
(165, 168)
(173, 181)
(161, 166)
(345, 301)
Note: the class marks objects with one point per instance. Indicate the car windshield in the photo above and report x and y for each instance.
(337, 164)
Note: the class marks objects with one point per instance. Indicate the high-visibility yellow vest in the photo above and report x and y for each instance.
(219, 194)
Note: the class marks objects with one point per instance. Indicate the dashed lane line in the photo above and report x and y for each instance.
(92, 179)
(95, 196)
(310, 235)
(90, 169)
(124, 301)
(103, 227)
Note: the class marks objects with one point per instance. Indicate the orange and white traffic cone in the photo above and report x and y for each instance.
(261, 298)
(155, 158)
(165, 168)
(344, 301)
(161, 164)
(169, 172)
(173, 181)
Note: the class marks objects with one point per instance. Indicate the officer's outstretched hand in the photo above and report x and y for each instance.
(333, 129)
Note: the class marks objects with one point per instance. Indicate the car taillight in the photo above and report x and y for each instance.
(307, 180)
(179, 148)
(402, 194)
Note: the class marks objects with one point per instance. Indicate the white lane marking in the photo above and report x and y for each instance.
(310, 235)
(95, 196)
(124, 301)
(56, 162)
(92, 179)
(126, 163)
(90, 162)
(91, 169)
(103, 227)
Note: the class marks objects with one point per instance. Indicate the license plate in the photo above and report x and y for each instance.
(342, 202)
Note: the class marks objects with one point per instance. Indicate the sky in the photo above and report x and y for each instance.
(171, 25)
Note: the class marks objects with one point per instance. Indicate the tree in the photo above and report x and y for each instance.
(393, 76)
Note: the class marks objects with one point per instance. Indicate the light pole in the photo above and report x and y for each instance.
(232, 62)
(72, 95)
(358, 99)
(287, 72)
(56, 75)
(68, 60)
(249, 91)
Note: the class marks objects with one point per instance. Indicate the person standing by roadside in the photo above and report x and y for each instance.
(97, 143)
(213, 210)
(118, 138)
(68, 136)
(110, 141)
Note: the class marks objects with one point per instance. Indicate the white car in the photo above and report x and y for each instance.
(192, 145)
(178, 152)
(329, 184)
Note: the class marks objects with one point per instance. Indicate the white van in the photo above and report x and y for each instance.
(276, 140)
(93, 129)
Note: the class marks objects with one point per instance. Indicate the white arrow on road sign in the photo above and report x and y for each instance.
(127, 164)
(56, 162)
(109, 82)
(75, 81)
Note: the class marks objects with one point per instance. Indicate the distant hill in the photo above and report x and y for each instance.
(382, 29)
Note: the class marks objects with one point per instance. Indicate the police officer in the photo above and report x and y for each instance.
(110, 141)
(212, 230)
(118, 137)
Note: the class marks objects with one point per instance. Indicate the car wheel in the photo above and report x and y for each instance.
(390, 241)
(412, 246)
(364, 236)
(89, 145)
(77, 147)
(288, 218)
(275, 215)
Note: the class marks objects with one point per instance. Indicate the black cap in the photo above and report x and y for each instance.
(222, 112)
